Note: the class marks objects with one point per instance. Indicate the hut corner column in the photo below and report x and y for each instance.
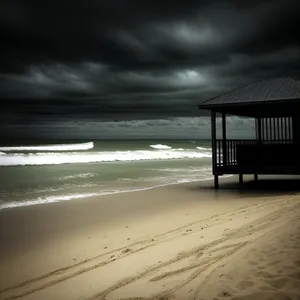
(224, 148)
(259, 141)
(214, 149)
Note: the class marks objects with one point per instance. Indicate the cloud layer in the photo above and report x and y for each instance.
(171, 128)
(136, 60)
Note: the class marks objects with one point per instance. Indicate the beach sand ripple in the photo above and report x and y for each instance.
(248, 253)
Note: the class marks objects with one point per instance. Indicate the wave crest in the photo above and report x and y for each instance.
(202, 148)
(22, 159)
(77, 176)
(160, 147)
(58, 147)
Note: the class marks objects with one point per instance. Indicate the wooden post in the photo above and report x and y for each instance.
(241, 179)
(294, 126)
(259, 130)
(216, 181)
(224, 150)
(214, 148)
(259, 138)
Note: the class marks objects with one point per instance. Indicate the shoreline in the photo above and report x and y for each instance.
(71, 197)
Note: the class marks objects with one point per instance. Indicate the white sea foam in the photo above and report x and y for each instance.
(53, 158)
(44, 200)
(160, 146)
(202, 148)
(77, 176)
(68, 197)
(181, 170)
(2, 153)
(59, 147)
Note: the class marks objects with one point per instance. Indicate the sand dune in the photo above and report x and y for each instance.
(249, 252)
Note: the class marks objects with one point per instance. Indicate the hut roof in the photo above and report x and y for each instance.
(269, 91)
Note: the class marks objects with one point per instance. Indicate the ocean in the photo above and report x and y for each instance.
(34, 173)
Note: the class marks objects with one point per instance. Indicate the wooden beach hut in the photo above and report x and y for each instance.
(275, 106)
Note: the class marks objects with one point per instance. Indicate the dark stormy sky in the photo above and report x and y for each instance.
(135, 68)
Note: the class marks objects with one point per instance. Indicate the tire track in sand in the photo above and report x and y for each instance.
(253, 231)
(49, 279)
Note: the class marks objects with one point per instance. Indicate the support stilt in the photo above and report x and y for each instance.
(214, 148)
(256, 177)
(216, 181)
(241, 179)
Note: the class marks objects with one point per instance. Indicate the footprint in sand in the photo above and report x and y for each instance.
(265, 274)
(253, 263)
(267, 288)
(278, 283)
(273, 263)
(297, 263)
(289, 268)
(295, 275)
(126, 250)
(225, 294)
(245, 284)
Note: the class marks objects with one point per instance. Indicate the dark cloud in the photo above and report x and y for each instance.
(138, 59)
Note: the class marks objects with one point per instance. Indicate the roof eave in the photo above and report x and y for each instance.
(208, 106)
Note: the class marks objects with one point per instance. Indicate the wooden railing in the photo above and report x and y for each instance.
(230, 149)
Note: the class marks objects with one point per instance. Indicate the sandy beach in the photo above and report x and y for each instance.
(184, 241)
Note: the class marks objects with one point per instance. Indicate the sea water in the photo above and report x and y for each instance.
(36, 173)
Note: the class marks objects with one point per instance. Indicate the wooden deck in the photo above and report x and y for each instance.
(256, 157)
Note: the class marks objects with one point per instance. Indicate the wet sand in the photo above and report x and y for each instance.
(183, 241)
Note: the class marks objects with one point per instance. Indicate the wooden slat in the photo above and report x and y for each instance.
(270, 129)
(224, 148)
(286, 129)
(290, 129)
(278, 126)
(281, 129)
(213, 141)
(274, 129)
(266, 130)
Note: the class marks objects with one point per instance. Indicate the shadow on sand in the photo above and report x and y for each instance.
(265, 186)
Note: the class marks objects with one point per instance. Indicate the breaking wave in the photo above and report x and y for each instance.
(202, 148)
(59, 147)
(54, 158)
(77, 176)
(160, 146)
